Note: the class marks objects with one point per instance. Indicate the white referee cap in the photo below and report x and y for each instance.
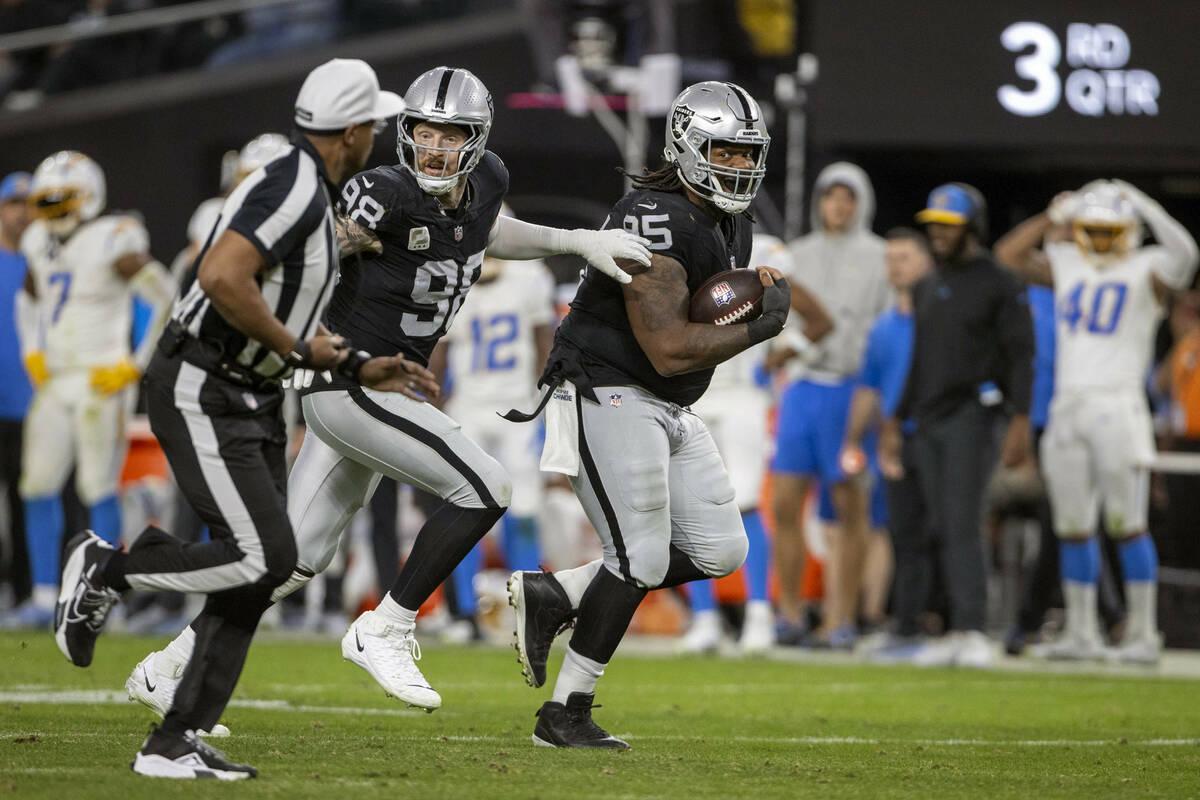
(343, 92)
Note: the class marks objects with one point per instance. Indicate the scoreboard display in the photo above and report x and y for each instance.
(1017, 74)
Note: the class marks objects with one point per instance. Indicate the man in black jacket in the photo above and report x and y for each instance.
(973, 336)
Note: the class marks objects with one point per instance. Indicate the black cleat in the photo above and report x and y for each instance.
(83, 599)
(572, 726)
(185, 756)
(543, 612)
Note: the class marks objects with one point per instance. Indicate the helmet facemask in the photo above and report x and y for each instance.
(728, 188)
(59, 208)
(468, 153)
(1106, 227)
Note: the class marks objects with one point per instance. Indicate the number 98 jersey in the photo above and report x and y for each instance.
(1106, 317)
(404, 299)
(704, 242)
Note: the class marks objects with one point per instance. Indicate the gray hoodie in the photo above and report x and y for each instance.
(844, 271)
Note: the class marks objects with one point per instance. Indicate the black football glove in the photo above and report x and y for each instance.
(777, 299)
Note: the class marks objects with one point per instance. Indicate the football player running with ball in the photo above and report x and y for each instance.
(422, 227)
(1109, 294)
(626, 365)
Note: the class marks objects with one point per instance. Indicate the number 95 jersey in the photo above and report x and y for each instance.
(1107, 318)
(597, 324)
(404, 299)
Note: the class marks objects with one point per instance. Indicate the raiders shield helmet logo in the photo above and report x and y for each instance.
(680, 120)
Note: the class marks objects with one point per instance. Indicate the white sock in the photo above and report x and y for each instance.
(45, 595)
(178, 652)
(577, 674)
(575, 581)
(758, 610)
(1080, 600)
(390, 610)
(1141, 622)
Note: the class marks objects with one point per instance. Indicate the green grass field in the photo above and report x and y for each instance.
(722, 728)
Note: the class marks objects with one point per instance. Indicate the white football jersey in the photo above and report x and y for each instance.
(493, 358)
(1106, 319)
(741, 371)
(86, 303)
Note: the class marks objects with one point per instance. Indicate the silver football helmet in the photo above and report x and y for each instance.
(1105, 223)
(453, 97)
(68, 189)
(709, 112)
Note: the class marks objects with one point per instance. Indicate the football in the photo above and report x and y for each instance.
(727, 298)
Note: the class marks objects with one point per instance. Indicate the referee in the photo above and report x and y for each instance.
(972, 333)
(248, 315)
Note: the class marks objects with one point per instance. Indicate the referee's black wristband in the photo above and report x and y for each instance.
(352, 364)
(301, 355)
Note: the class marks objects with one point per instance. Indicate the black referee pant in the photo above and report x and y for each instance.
(952, 457)
(226, 446)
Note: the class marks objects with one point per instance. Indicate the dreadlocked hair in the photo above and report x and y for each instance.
(664, 179)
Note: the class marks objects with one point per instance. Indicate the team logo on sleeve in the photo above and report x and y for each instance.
(418, 238)
(722, 294)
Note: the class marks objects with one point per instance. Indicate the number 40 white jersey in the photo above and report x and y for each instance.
(87, 304)
(1106, 318)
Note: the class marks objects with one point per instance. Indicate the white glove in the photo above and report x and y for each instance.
(1140, 199)
(302, 378)
(600, 248)
(1064, 207)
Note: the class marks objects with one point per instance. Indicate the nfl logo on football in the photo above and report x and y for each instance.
(615, 400)
(722, 294)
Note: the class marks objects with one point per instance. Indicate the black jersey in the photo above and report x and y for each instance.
(597, 328)
(404, 299)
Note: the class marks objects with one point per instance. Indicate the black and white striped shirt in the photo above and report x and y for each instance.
(284, 209)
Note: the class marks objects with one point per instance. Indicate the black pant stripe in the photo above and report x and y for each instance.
(593, 475)
(436, 443)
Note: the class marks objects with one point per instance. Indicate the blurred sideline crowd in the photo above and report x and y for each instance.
(27, 76)
(889, 511)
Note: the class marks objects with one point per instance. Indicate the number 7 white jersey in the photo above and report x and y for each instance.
(1107, 318)
(87, 304)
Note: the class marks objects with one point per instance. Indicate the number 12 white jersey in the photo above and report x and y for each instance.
(493, 354)
(1106, 319)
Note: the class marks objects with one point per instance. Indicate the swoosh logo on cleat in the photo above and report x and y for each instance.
(146, 678)
(357, 642)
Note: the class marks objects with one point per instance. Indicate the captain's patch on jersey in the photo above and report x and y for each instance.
(418, 238)
(722, 294)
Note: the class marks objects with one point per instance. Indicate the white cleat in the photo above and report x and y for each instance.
(1145, 651)
(941, 652)
(1070, 647)
(389, 655)
(153, 683)
(758, 629)
(975, 651)
(705, 634)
